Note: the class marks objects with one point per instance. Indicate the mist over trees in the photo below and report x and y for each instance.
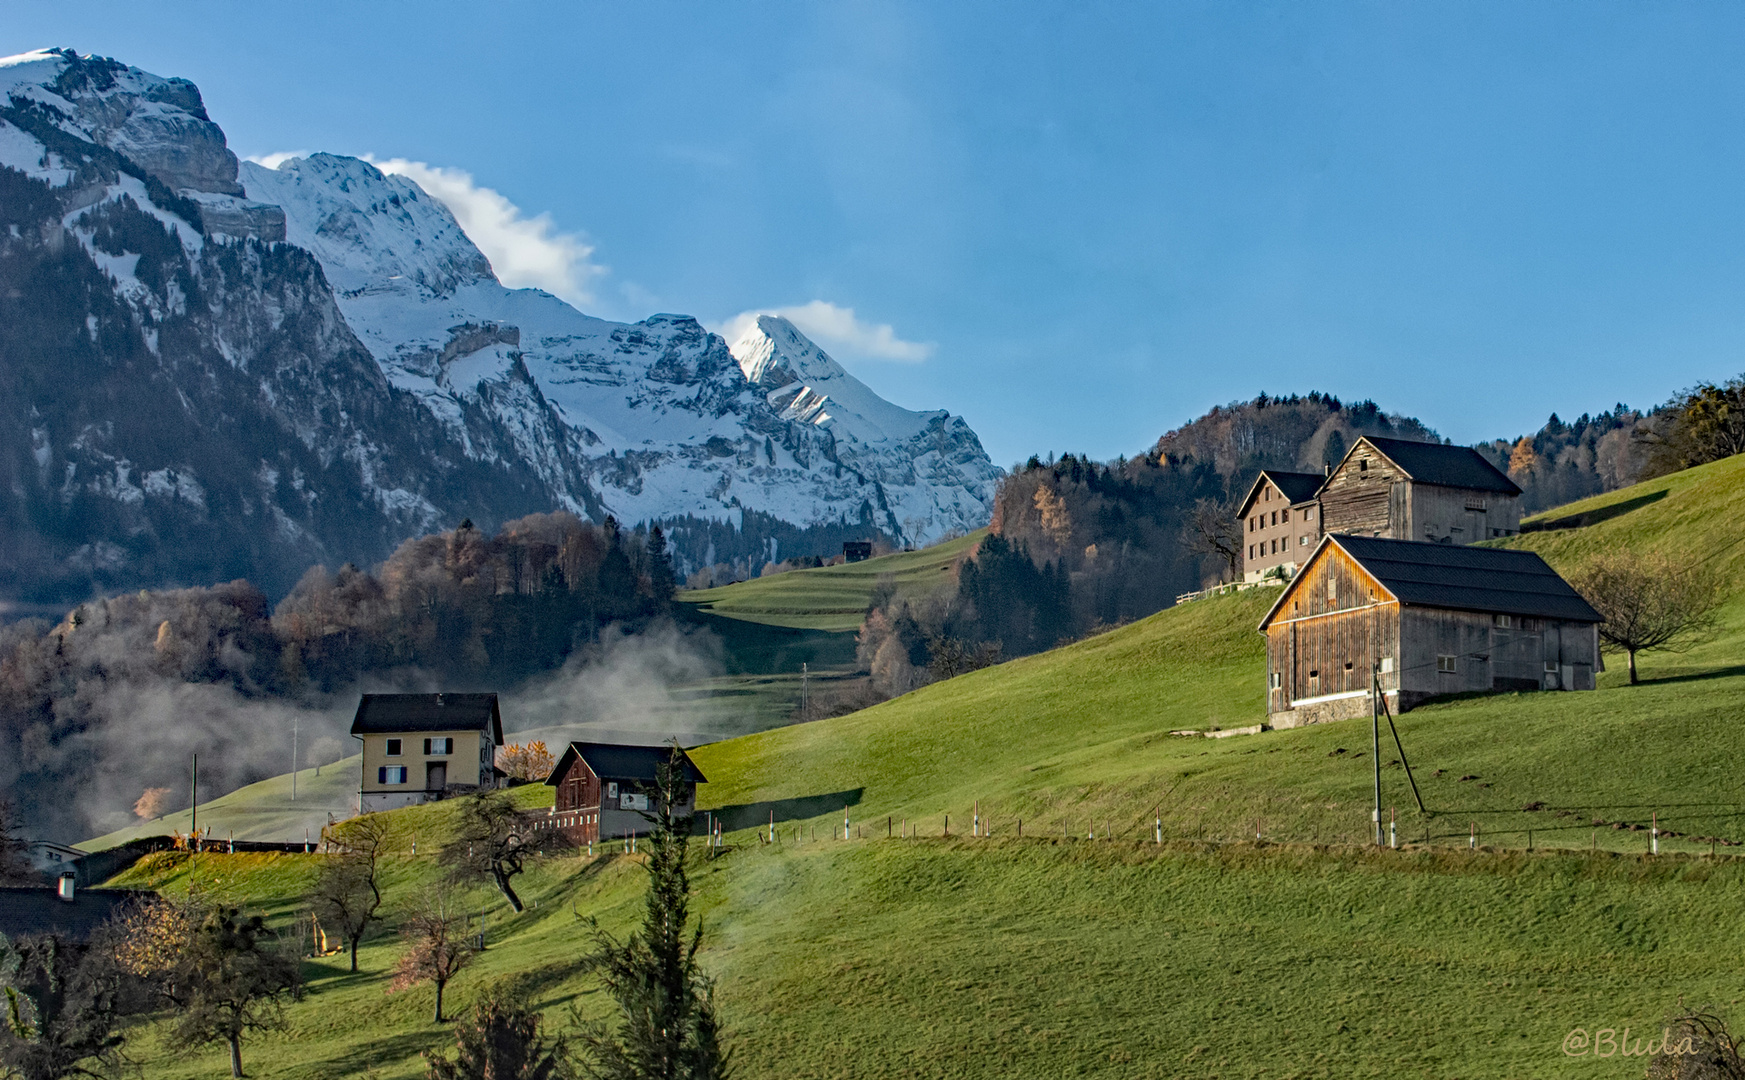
(116, 695)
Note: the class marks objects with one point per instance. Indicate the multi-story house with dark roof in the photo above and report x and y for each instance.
(1281, 522)
(421, 747)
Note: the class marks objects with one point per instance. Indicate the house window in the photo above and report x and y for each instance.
(1305, 542)
(438, 747)
(1504, 622)
(1275, 547)
(391, 774)
(393, 747)
(1445, 664)
(1251, 551)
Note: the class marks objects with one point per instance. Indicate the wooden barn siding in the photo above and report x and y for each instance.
(1353, 501)
(1516, 656)
(1335, 614)
(1440, 513)
(580, 787)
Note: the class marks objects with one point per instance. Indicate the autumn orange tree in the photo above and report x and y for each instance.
(531, 761)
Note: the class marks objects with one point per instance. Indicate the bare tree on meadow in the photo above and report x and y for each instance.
(436, 946)
(1650, 602)
(347, 896)
(1212, 529)
(494, 840)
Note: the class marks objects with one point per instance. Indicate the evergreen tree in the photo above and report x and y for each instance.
(667, 1028)
(660, 570)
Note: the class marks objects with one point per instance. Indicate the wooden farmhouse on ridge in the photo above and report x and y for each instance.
(603, 789)
(1422, 620)
(1418, 491)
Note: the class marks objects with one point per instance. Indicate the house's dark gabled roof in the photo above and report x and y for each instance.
(1445, 466)
(379, 714)
(1464, 578)
(610, 761)
(1297, 487)
(37, 910)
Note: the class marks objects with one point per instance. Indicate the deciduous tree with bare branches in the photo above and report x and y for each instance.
(1650, 602)
(495, 840)
(347, 896)
(436, 946)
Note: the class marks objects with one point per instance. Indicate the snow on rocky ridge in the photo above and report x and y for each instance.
(668, 420)
(325, 364)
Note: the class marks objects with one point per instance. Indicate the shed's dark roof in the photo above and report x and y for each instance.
(1447, 466)
(1466, 578)
(1297, 487)
(27, 910)
(388, 713)
(610, 761)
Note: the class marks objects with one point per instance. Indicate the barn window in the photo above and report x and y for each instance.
(1445, 664)
(1347, 665)
(1475, 504)
(1275, 681)
(1314, 674)
(1363, 465)
(1387, 664)
(1504, 622)
(1551, 667)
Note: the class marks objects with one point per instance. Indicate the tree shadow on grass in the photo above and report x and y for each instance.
(378, 1051)
(1694, 676)
(750, 815)
(1593, 517)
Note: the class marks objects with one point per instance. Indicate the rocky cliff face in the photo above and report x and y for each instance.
(209, 372)
(181, 398)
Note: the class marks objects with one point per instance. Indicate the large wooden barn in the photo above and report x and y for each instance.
(1419, 491)
(1429, 619)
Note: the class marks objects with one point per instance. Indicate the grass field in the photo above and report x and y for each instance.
(832, 597)
(1212, 955)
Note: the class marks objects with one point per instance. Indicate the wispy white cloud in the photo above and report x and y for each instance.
(838, 330)
(524, 251)
(273, 161)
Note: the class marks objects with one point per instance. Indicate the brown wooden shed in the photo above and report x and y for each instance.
(1419, 491)
(603, 789)
(1428, 619)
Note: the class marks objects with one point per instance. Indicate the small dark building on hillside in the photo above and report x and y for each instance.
(1281, 522)
(603, 789)
(856, 550)
(1418, 491)
(70, 913)
(1428, 619)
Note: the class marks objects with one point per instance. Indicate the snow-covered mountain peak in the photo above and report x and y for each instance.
(371, 230)
(802, 379)
(153, 124)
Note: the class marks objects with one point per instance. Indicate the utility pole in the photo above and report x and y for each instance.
(194, 796)
(1375, 740)
(293, 758)
(805, 695)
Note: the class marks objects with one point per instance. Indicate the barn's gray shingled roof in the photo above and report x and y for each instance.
(613, 761)
(1446, 466)
(389, 713)
(1496, 580)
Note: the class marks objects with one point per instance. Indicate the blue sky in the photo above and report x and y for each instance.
(1082, 224)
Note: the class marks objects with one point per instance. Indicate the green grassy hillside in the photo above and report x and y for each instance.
(832, 597)
(1304, 954)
